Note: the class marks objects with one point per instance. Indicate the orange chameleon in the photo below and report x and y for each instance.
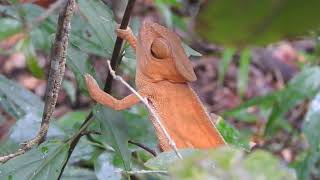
(163, 75)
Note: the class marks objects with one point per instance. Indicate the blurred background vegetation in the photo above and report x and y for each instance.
(257, 64)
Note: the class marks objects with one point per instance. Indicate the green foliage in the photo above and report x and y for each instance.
(9, 27)
(311, 127)
(33, 66)
(228, 163)
(302, 87)
(26, 108)
(104, 168)
(247, 22)
(224, 63)
(70, 90)
(114, 132)
(100, 35)
(43, 162)
(165, 159)
(243, 73)
(106, 153)
(231, 135)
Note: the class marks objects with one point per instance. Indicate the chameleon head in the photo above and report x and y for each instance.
(161, 55)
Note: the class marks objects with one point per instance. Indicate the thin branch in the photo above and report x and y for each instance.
(151, 151)
(145, 172)
(108, 84)
(56, 72)
(150, 108)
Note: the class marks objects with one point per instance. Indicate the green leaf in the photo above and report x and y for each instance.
(164, 159)
(77, 173)
(264, 164)
(104, 168)
(9, 27)
(32, 61)
(71, 121)
(114, 131)
(27, 109)
(231, 135)
(190, 51)
(70, 90)
(80, 65)
(36, 164)
(230, 163)
(247, 22)
(302, 86)
(311, 127)
(34, 67)
(311, 123)
(243, 73)
(140, 125)
(224, 63)
(101, 36)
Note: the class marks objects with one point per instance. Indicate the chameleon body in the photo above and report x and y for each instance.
(163, 74)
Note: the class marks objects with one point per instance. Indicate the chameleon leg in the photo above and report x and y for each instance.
(106, 99)
(128, 36)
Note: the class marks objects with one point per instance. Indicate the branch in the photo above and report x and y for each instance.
(116, 59)
(56, 72)
(144, 147)
(146, 172)
(150, 108)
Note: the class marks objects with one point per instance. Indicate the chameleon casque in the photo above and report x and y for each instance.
(163, 74)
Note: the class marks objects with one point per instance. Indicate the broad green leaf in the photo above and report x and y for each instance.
(246, 22)
(71, 121)
(78, 173)
(27, 109)
(140, 125)
(102, 26)
(80, 65)
(9, 27)
(311, 126)
(229, 163)
(164, 159)
(311, 123)
(114, 131)
(104, 168)
(264, 164)
(70, 90)
(43, 162)
(83, 151)
(231, 135)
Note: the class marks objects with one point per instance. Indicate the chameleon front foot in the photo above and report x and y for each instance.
(127, 35)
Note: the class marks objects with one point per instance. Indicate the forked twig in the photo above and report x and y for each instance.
(57, 68)
(150, 108)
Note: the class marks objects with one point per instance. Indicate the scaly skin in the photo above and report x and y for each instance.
(162, 75)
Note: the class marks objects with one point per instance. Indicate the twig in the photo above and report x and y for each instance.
(145, 172)
(108, 84)
(85, 133)
(56, 72)
(143, 147)
(150, 108)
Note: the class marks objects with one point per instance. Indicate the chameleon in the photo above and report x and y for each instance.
(163, 76)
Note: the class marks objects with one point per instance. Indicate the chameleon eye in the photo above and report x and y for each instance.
(160, 49)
